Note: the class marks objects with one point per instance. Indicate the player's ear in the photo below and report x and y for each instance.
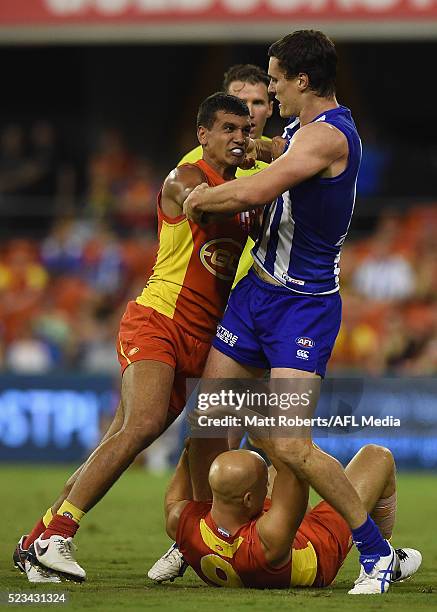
(269, 114)
(202, 135)
(247, 500)
(303, 81)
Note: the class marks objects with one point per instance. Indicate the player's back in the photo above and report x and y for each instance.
(195, 267)
(220, 559)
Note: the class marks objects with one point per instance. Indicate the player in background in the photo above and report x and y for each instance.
(245, 539)
(164, 336)
(249, 83)
(295, 276)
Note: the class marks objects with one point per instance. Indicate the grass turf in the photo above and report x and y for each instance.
(124, 535)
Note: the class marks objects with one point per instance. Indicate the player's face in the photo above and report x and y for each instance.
(257, 99)
(226, 142)
(285, 90)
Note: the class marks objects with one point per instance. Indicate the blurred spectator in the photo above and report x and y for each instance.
(108, 167)
(136, 203)
(27, 354)
(384, 274)
(22, 283)
(103, 266)
(62, 250)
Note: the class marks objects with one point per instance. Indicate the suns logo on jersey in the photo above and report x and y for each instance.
(220, 257)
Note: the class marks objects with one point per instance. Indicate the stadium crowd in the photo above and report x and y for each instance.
(68, 267)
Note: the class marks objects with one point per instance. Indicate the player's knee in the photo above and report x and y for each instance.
(381, 453)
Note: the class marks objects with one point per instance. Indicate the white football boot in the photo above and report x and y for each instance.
(56, 553)
(407, 563)
(170, 566)
(36, 573)
(376, 574)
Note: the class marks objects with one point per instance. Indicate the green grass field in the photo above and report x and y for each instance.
(124, 535)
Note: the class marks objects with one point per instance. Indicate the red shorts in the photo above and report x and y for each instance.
(146, 334)
(331, 537)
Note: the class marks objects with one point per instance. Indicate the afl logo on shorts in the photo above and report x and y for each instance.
(220, 257)
(305, 342)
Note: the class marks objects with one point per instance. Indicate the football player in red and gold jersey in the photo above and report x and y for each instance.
(245, 539)
(164, 337)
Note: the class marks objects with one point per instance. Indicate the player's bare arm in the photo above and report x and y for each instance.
(278, 526)
(316, 149)
(177, 186)
(179, 493)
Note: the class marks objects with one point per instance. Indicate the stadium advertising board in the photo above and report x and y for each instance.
(58, 418)
(178, 18)
(87, 11)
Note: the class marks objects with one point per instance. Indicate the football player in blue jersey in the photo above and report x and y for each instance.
(285, 314)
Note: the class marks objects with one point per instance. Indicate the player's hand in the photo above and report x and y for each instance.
(250, 158)
(263, 442)
(192, 202)
(278, 147)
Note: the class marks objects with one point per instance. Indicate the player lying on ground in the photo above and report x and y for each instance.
(245, 539)
(164, 337)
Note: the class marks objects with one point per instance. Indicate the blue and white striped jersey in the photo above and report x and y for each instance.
(303, 230)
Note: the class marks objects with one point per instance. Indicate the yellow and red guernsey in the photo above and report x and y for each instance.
(246, 257)
(195, 267)
(238, 560)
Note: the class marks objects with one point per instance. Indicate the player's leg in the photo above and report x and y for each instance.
(313, 322)
(372, 472)
(324, 473)
(203, 451)
(146, 390)
(36, 574)
(113, 428)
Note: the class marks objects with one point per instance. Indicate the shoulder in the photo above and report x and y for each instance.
(320, 136)
(187, 176)
(186, 516)
(192, 156)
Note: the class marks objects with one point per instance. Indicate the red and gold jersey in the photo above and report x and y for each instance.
(239, 560)
(195, 267)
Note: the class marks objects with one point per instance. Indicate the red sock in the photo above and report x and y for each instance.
(61, 525)
(34, 534)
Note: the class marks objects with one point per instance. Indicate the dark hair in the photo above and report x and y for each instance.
(217, 102)
(247, 73)
(310, 52)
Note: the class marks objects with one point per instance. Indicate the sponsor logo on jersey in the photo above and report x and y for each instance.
(301, 354)
(133, 351)
(305, 342)
(220, 257)
(289, 279)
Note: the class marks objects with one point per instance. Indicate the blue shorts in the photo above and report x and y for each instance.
(268, 326)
